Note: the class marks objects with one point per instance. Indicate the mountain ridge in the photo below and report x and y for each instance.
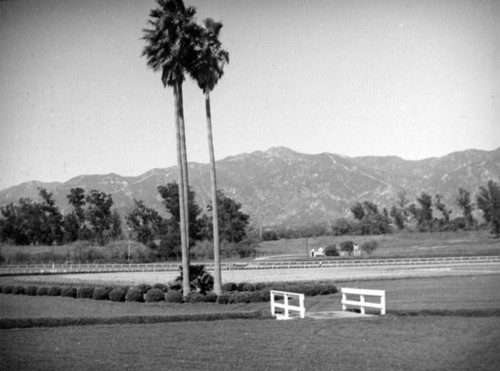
(280, 186)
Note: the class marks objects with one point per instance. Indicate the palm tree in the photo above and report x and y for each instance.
(169, 48)
(207, 70)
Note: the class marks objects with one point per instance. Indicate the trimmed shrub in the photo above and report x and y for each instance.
(174, 296)
(7, 289)
(144, 288)
(101, 293)
(134, 294)
(118, 294)
(245, 286)
(210, 297)
(347, 246)
(54, 291)
(331, 250)
(18, 290)
(85, 292)
(194, 297)
(42, 291)
(223, 298)
(260, 286)
(68, 292)
(242, 297)
(369, 246)
(30, 290)
(229, 286)
(161, 286)
(154, 296)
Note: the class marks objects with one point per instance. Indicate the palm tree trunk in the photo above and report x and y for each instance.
(215, 218)
(181, 159)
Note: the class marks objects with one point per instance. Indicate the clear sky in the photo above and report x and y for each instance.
(415, 79)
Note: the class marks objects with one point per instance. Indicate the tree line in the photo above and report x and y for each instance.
(427, 214)
(92, 219)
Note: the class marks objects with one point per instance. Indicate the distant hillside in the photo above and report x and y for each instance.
(280, 186)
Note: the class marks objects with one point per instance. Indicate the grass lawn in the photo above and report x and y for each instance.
(466, 292)
(416, 343)
(460, 243)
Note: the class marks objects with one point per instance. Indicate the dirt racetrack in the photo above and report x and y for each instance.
(343, 274)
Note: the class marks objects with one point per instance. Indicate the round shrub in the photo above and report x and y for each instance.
(154, 296)
(210, 297)
(42, 291)
(331, 250)
(68, 292)
(144, 288)
(54, 291)
(30, 290)
(118, 294)
(174, 296)
(134, 294)
(260, 286)
(7, 289)
(18, 290)
(369, 246)
(101, 293)
(85, 292)
(229, 286)
(223, 298)
(194, 297)
(245, 286)
(265, 295)
(161, 286)
(241, 297)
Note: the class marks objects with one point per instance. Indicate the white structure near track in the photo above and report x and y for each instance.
(362, 303)
(285, 307)
(319, 252)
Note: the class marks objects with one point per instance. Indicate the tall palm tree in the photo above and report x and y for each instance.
(169, 48)
(207, 69)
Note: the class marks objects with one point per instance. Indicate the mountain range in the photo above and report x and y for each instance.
(283, 187)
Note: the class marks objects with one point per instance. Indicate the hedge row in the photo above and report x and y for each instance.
(232, 293)
(308, 288)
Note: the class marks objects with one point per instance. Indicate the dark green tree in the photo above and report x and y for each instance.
(358, 211)
(488, 200)
(443, 208)
(99, 216)
(146, 224)
(170, 196)
(74, 222)
(463, 201)
(232, 221)
(424, 215)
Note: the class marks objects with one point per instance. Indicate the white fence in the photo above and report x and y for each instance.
(285, 307)
(362, 303)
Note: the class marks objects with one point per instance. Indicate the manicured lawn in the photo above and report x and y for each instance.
(465, 292)
(416, 343)
(460, 243)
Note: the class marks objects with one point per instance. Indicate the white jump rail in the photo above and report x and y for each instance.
(286, 306)
(362, 303)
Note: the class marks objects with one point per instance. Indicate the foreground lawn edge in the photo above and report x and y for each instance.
(11, 323)
(489, 312)
(19, 323)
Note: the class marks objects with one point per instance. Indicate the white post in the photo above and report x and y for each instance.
(382, 302)
(344, 298)
(361, 303)
(272, 303)
(287, 312)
